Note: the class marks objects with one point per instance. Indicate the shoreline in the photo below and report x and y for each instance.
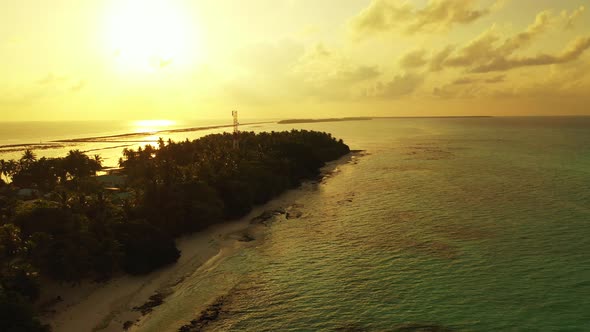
(60, 143)
(107, 138)
(108, 306)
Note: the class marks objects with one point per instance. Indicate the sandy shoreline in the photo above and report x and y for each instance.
(107, 306)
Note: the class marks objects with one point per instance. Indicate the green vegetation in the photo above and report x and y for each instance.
(58, 221)
(290, 121)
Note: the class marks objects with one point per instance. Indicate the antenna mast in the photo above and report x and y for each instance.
(236, 129)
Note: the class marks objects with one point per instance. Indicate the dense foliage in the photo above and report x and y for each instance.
(58, 221)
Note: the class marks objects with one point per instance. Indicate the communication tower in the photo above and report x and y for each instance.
(236, 129)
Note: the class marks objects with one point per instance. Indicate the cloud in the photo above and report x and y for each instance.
(472, 86)
(380, 16)
(270, 57)
(462, 91)
(480, 48)
(401, 85)
(358, 74)
(473, 80)
(568, 81)
(287, 71)
(51, 78)
(486, 53)
(413, 59)
(309, 30)
(78, 86)
(321, 65)
(47, 88)
(20, 99)
(576, 48)
(438, 59)
(269, 66)
(542, 22)
(441, 14)
(490, 51)
(437, 15)
(160, 63)
(570, 19)
(54, 84)
(328, 75)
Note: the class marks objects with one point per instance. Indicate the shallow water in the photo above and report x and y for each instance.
(468, 224)
(107, 138)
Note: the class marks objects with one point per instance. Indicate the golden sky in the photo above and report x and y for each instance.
(196, 59)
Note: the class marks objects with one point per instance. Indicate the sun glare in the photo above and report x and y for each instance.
(152, 126)
(149, 34)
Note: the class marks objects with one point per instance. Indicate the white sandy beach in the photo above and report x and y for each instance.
(106, 306)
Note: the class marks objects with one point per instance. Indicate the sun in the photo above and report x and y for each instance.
(149, 34)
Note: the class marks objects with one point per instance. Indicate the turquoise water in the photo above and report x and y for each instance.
(468, 224)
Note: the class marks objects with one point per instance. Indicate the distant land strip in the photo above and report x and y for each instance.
(85, 140)
(435, 117)
(37, 146)
(110, 139)
(363, 118)
(108, 148)
(167, 131)
(288, 121)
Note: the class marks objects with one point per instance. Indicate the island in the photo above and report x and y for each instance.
(62, 220)
(292, 121)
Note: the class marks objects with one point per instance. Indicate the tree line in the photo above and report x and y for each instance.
(75, 228)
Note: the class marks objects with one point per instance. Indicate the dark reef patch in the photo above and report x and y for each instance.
(294, 214)
(210, 314)
(267, 217)
(154, 301)
(246, 238)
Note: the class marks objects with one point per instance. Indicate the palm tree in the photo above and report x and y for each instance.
(3, 165)
(97, 163)
(27, 159)
(63, 198)
(12, 168)
(28, 156)
(7, 169)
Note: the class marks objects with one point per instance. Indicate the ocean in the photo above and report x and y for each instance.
(106, 138)
(464, 224)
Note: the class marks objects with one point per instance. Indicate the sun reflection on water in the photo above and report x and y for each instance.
(152, 126)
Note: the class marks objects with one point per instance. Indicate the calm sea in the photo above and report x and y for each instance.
(478, 224)
(468, 224)
(107, 138)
